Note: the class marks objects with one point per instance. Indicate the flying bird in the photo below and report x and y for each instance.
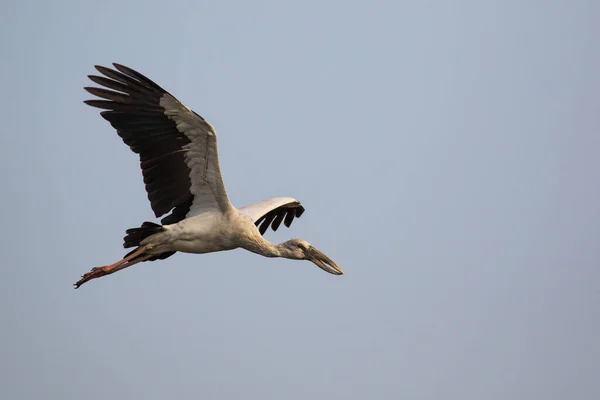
(180, 165)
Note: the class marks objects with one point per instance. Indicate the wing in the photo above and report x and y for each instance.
(177, 147)
(273, 211)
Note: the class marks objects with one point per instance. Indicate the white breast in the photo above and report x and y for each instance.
(209, 232)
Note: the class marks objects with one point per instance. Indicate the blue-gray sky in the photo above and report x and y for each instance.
(447, 156)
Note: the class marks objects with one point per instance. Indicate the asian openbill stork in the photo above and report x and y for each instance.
(180, 164)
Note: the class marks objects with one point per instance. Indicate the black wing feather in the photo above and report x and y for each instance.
(286, 213)
(133, 108)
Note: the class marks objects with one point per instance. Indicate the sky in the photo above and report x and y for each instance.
(447, 157)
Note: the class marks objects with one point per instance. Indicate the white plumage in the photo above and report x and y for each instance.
(180, 165)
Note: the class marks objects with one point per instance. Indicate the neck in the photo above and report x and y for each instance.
(265, 248)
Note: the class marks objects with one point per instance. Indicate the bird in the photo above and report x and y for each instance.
(179, 159)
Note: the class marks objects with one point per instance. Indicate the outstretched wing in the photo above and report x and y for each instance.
(177, 147)
(273, 211)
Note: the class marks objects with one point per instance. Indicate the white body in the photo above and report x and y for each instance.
(206, 233)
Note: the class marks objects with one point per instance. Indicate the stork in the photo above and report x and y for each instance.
(180, 165)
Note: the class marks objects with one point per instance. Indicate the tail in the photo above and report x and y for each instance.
(135, 236)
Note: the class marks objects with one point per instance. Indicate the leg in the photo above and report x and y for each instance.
(119, 265)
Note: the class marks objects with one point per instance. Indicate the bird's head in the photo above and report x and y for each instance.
(299, 249)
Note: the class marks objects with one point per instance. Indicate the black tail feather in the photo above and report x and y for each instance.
(135, 236)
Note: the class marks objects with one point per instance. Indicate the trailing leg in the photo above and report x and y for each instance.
(130, 259)
(134, 238)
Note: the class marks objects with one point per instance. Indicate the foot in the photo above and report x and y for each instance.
(96, 272)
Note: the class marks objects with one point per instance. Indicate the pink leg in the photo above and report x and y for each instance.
(119, 265)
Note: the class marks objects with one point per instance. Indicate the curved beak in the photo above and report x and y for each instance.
(324, 262)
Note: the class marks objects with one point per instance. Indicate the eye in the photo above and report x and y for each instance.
(299, 245)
